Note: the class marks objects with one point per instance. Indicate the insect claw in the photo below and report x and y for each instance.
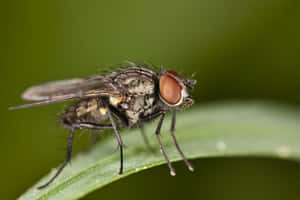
(191, 168)
(172, 172)
(120, 173)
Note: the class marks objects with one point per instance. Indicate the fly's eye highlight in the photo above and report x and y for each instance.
(170, 89)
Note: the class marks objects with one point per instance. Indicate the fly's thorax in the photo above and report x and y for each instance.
(140, 86)
(140, 107)
(134, 106)
(136, 81)
(138, 89)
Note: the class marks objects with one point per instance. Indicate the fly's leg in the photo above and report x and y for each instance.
(188, 164)
(157, 133)
(120, 142)
(95, 137)
(93, 141)
(93, 126)
(152, 116)
(67, 159)
(69, 146)
(150, 148)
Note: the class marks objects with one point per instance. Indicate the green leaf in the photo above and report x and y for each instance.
(231, 129)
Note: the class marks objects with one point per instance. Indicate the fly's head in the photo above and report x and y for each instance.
(173, 90)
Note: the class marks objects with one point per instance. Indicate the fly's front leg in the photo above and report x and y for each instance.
(157, 133)
(172, 129)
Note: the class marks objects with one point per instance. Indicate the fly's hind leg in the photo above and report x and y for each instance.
(67, 159)
(72, 128)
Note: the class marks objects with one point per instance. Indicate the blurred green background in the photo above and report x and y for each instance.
(240, 50)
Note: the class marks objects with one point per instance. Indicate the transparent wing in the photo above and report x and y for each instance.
(65, 90)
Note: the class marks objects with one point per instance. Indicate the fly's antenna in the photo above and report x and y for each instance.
(161, 68)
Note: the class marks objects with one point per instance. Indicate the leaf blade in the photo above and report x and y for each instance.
(229, 129)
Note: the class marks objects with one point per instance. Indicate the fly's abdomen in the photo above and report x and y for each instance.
(87, 111)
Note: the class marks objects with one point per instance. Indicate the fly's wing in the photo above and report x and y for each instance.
(65, 90)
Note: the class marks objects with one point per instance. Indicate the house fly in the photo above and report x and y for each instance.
(128, 97)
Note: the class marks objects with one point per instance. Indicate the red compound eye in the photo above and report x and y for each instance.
(173, 73)
(170, 89)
